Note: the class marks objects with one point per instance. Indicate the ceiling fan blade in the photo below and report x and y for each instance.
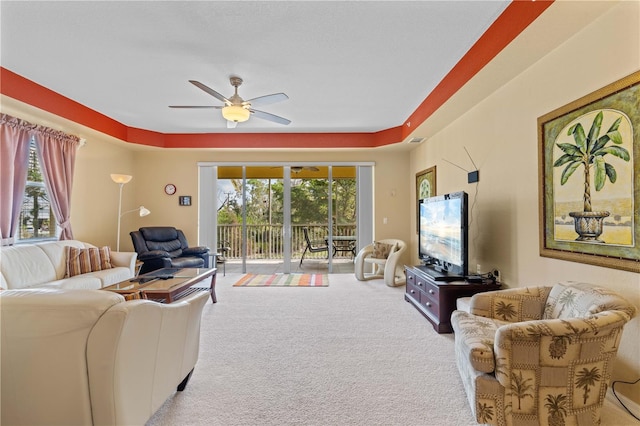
(268, 99)
(231, 124)
(210, 91)
(269, 117)
(192, 106)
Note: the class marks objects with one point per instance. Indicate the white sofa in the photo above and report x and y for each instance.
(44, 265)
(87, 357)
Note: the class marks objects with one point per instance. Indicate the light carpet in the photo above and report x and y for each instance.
(283, 280)
(354, 353)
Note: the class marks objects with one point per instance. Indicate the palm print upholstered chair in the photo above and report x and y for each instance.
(539, 355)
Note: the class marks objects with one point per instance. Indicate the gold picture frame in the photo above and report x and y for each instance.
(425, 188)
(589, 178)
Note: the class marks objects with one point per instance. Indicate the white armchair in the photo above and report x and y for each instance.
(383, 260)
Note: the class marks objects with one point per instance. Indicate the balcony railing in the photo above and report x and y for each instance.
(266, 241)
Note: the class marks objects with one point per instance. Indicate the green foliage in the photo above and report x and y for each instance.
(589, 151)
(309, 202)
(309, 198)
(37, 194)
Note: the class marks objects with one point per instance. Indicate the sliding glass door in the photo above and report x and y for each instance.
(262, 210)
(343, 203)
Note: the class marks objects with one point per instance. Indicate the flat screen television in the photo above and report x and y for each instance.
(444, 237)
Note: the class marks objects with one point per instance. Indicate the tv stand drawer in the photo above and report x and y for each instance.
(413, 291)
(432, 290)
(430, 304)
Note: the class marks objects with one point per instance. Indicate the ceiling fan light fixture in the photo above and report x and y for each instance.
(236, 113)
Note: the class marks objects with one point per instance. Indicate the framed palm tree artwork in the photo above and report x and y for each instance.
(425, 188)
(589, 178)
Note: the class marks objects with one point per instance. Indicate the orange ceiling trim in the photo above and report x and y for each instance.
(145, 137)
(388, 137)
(270, 140)
(513, 20)
(29, 92)
(284, 140)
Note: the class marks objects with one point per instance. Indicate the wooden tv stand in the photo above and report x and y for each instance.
(436, 300)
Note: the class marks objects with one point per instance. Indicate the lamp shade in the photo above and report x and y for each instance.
(236, 113)
(118, 178)
(142, 211)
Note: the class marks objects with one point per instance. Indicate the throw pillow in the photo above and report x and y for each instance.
(381, 250)
(81, 261)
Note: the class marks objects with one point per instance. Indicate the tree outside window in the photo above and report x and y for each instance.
(36, 217)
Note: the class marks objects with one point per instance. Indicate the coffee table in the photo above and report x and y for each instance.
(168, 284)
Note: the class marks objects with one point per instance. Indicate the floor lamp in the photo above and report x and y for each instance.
(122, 180)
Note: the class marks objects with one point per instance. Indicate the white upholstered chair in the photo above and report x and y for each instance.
(382, 259)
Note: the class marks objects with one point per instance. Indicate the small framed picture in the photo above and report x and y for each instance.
(184, 200)
(425, 188)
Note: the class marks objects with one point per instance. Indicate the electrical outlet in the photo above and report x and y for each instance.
(478, 269)
(496, 275)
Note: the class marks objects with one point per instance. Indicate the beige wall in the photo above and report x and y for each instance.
(155, 169)
(94, 204)
(500, 133)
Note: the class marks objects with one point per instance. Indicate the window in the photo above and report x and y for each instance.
(37, 221)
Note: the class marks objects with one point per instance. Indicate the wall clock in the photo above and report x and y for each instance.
(170, 189)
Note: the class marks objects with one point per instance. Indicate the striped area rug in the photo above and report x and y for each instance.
(283, 280)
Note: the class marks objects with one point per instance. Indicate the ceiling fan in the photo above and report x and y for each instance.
(235, 109)
(298, 169)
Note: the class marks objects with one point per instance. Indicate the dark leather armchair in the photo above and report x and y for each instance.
(166, 247)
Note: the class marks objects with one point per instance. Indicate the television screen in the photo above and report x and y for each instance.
(443, 233)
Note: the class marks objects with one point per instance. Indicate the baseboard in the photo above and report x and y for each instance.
(615, 404)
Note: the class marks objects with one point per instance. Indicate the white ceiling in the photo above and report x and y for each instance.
(347, 66)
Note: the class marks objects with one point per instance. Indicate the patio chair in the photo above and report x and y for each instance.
(224, 247)
(316, 246)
